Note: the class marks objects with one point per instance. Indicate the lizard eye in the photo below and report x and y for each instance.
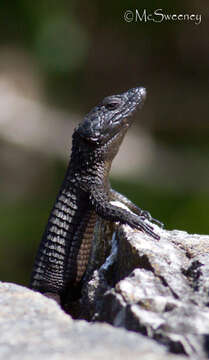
(112, 105)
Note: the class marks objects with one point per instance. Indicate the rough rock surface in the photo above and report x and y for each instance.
(34, 327)
(156, 288)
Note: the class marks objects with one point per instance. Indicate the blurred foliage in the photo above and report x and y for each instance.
(183, 210)
(83, 46)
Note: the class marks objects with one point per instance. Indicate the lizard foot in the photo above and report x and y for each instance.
(139, 223)
(146, 215)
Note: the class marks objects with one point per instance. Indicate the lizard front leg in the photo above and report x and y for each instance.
(115, 195)
(100, 203)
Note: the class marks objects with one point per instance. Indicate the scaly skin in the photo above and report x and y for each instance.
(85, 194)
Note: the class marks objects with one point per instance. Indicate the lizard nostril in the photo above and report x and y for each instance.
(140, 93)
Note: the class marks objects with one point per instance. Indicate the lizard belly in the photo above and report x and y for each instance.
(85, 247)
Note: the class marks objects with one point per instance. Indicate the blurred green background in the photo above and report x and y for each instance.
(57, 60)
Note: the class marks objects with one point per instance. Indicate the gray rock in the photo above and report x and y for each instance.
(157, 288)
(34, 327)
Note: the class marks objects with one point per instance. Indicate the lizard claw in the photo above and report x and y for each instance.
(146, 215)
(148, 229)
(139, 223)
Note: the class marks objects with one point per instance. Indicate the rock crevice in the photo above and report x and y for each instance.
(156, 288)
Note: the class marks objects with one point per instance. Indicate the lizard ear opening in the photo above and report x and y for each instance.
(90, 129)
(88, 135)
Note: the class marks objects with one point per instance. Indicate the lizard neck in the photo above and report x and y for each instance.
(91, 162)
(88, 164)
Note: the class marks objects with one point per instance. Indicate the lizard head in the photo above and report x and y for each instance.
(111, 117)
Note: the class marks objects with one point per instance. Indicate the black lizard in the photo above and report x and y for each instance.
(85, 193)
